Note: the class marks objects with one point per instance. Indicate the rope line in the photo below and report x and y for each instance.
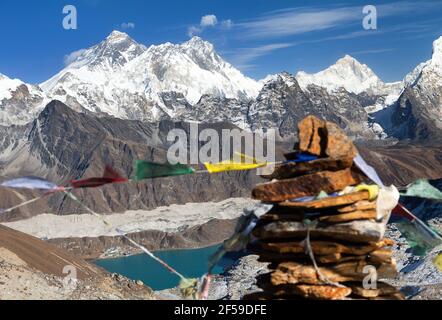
(310, 253)
(120, 232)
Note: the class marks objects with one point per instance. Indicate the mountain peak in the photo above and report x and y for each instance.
(197, 43)
(195, 39)
(347, 73)
(437, 51)
(352, 65)
(2, 76)
(117, 36)
(349, 60)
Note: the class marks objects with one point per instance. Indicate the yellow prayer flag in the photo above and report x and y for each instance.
(231, 166)
(373, 190)
(438, 262)
(246, 163)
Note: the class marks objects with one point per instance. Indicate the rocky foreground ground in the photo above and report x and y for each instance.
(26, 273)
(32, 269)
(418, 279)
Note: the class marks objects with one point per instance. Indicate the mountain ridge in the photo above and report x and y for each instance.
(190, 82)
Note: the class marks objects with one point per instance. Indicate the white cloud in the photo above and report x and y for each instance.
(71, 57)
(227, 24)
(128, 25)
(297, 21)
(193, 31)
(293, 21)
(209, 20)
(371, 51)
(244, 56)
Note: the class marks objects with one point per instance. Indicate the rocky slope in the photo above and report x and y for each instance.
(62, 145)
(340, 106)
(19, 102)
(417, 114)
(33, 269)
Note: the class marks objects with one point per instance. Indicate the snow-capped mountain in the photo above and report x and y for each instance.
(418, 112)
(19, 102)
(350, 74)
(282, 103)
(191, 82)
(124, 79)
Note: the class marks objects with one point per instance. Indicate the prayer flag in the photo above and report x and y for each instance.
(233, 165)
(418, 237)
(299, 157)
(423, 189)
(29, 183)
(438, 262)
(419, 225)
(109, 176)
(148, 170)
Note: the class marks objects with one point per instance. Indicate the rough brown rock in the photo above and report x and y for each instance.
(381, 256)
(360, 205)
(394, 296)
(351, 216)
(315, 292)
(322, 292)
(276, 258)
(289, 291)
(338, 143)
(292, 169)
(307, 185)
(312, 135)
(321, 138)
(323, 247)
(382, 289)
(333, 258)
(294, 273)
(355, 231)
(346, 199)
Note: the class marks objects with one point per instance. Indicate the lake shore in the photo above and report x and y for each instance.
(189, 226)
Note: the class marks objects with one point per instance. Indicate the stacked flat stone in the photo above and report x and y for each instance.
(342, 234)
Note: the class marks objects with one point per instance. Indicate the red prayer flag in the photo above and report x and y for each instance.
(403, 212)
(110, 175)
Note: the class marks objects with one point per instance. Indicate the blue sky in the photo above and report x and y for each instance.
(259, 37)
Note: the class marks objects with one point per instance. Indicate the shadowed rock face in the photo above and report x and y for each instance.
(418, 115)
(62, 145)
(282, 104)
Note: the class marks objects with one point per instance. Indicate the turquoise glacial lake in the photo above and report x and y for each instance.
(192, 263)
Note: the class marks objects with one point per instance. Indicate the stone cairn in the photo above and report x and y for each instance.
(329, 247)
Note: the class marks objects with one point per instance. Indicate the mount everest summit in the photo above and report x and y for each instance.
(124, 79)
(191, 82)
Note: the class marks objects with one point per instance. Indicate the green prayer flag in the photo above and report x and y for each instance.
(148, 170)
(423, 189)
(419, 239)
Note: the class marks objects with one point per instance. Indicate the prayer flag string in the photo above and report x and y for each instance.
(150, 170)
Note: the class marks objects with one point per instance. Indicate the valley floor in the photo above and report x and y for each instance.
(178, 226)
